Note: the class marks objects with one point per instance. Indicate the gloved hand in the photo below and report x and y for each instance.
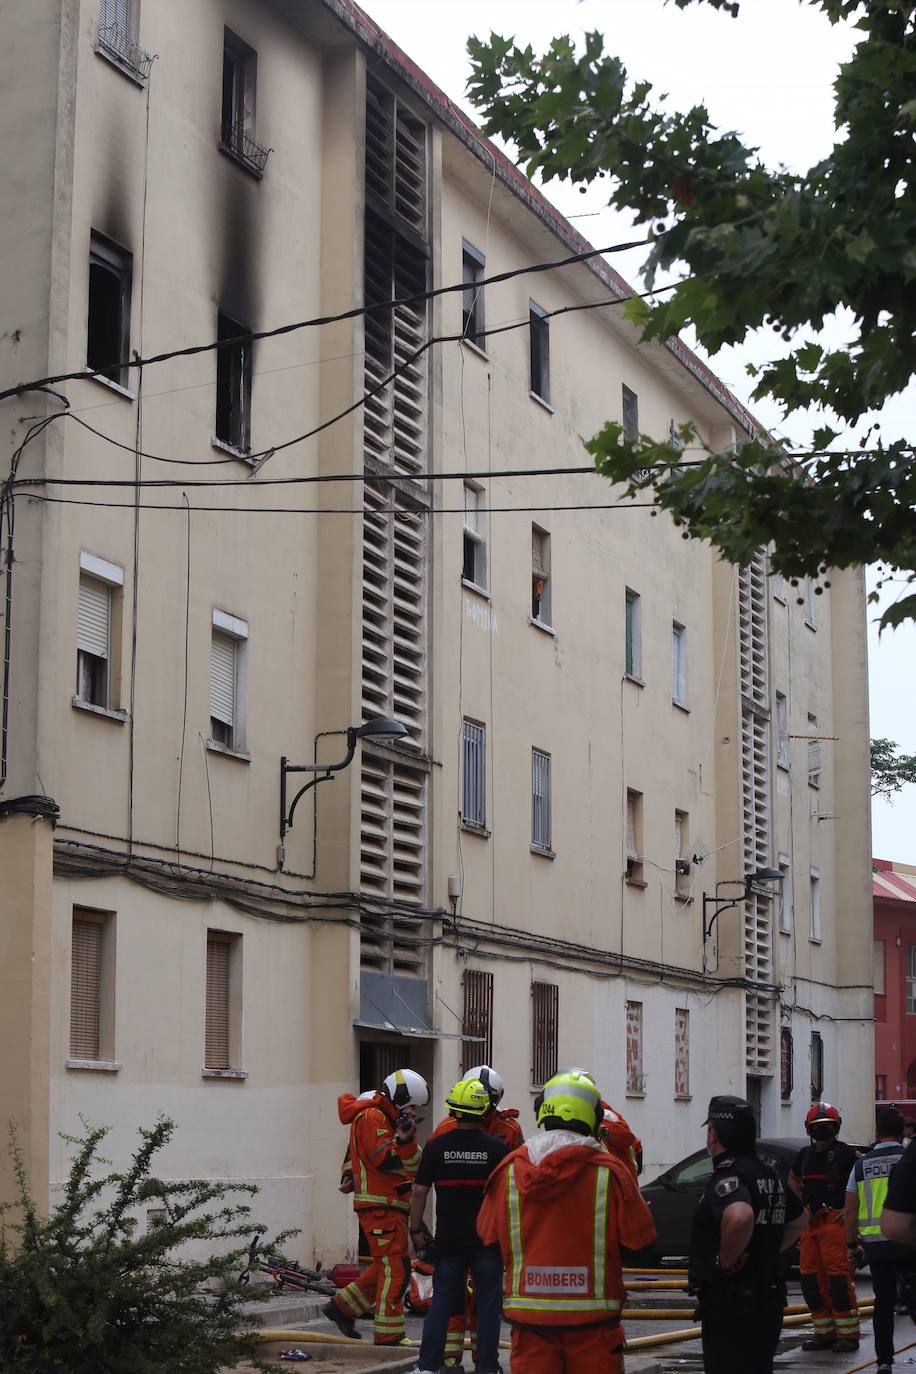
(856, 1255)
(406, 1125)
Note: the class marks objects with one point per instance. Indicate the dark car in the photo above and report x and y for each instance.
(674, 1195)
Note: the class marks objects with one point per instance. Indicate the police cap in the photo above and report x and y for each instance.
(726, 1111)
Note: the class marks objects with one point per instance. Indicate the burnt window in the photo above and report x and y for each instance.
(630, 415)
(539, 331)
(545, 1024)
(786, 1064)
(108, 333)
(473, 266)
(240, 79)
(233, 383)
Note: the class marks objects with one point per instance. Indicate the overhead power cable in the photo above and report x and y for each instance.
(402, 512)
(354, 312)
(405, 365)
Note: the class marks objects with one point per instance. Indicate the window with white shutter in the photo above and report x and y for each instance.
(816, 918)
(541, 584)
(474, 565)
(782, 730)
(679, 664)
(814, 752)
(473, 267)
(681, 855)
(93, 642)
(634, 838)
(228, 646)
(785, 895)
(118, 25)
(633, 642)
(474, 743)
(541, 802)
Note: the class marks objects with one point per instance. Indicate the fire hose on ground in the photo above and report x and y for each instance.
(691, 1333)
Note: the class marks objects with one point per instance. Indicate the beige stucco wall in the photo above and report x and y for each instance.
(144, 168)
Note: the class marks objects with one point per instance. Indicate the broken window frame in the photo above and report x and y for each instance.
(108, 309)
(233, 384)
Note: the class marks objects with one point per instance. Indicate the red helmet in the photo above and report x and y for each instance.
(823, 1111)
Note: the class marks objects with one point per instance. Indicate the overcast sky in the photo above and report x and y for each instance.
(767, 75)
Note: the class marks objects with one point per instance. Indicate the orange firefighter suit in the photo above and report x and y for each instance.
(383, 1170)
(560, 1208)
(616, 1135)
(504, 1125)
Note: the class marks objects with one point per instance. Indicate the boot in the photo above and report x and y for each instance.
(844, 1345)
(818, 1343)
(345, 1325)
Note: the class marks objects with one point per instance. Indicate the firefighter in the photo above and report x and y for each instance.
(745, 1219)
(560, 1208)
(503, 1123)
(346, 1185)
(616, 1136)
(384, 1156)
(819, 1176)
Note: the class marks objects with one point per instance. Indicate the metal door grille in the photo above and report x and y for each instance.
(545, 1019)
(477, 1019)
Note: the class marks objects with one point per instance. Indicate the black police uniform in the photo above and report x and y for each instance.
(742, 1311)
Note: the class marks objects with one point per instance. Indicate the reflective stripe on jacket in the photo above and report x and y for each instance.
(872, 1174)
(383, 1167)
(560, 1219)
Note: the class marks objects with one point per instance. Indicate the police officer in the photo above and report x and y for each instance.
(746, 1218)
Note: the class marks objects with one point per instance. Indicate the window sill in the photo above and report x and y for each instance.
(475, 348)
(682, 900)
(215, 747)
(237, 1074)
(681, 706)
(634, 1094)
(543, 852)
(783, 767)
(783, 600)
(809, 626)
(636, 681)
(116, 387)
(542, 626)
(476, 588)
(786, 933)
(231, 450)
(815, 939)
(120, 716)
(472, 829)
(683, 1097)
(541, 402)
(636, 882)
(93, 1065)
(120, 66)
(240, 161)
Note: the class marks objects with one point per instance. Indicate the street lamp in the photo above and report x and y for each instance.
(720, 904)
(380, 727)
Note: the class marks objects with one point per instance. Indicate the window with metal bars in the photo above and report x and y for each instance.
(474, 782)
(630, 403)
(539, 350)
(541, 802)
(91, 986)
(679, 664)
(786, 1064)
(222, 1020)
(474, 558)
(545, 1031)
(233, 384)
(473, 270)
(108, 314)
(634, 837)
(633, 641)
(477, 1020)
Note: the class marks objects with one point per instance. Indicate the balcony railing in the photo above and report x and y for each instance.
(119, 45)
(245, 148)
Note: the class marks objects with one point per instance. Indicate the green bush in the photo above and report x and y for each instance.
(91, 1291)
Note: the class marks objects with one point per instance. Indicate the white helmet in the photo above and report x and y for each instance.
(490, 1080)
(406, 1089)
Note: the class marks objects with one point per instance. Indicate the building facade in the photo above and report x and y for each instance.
(894, 889)
(229, 555)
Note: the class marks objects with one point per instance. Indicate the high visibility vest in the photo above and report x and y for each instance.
(373, 1144)
(872, 1175)
(559, 1274)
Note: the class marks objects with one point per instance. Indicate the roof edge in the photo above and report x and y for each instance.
(463, 127)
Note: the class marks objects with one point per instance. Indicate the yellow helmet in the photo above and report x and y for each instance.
(572, 1098)
(468, 1098)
